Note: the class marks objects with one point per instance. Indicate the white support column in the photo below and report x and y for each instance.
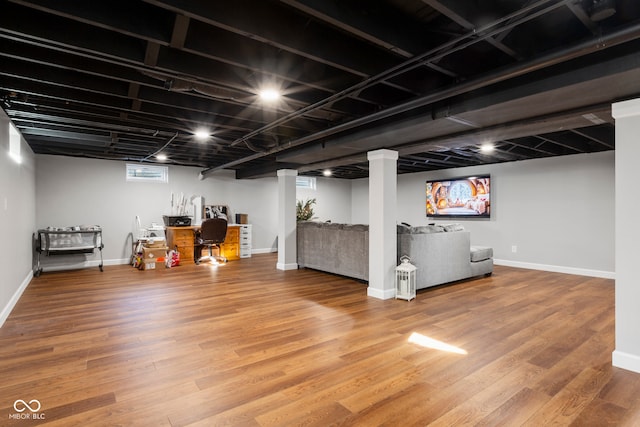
(383, 178)
(627, 292)
(287, 245)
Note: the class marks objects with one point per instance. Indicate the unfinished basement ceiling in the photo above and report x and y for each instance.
(432, 79)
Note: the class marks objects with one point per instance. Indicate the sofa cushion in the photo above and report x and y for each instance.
(332, 225)
(453, 227)
(427, 229)
(403, 229)
(480, 253)
(356, 227)
(309, 224)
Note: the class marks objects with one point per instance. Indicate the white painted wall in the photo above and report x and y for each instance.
(559, 212)
(17, 220)
(333, 199)
(75, 191)
(575, 233)
(627, 348)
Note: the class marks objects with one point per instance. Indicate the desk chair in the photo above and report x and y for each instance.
(212, 234)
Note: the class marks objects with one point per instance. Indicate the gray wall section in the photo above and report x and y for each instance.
(73, 191)
(558, 212)
(333, 199)
(17, 220)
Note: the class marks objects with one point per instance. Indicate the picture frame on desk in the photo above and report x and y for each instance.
(216, 211)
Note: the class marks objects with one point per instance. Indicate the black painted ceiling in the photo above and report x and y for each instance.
(432, 79)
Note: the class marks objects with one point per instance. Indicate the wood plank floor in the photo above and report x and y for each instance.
(247, 345)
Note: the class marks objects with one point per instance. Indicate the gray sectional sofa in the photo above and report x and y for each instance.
(335, 248)
(442, 254)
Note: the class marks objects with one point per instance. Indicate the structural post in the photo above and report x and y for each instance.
(287, 245)
(383, 178)
(627, 292)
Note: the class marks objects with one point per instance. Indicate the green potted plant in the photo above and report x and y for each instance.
(304, 210)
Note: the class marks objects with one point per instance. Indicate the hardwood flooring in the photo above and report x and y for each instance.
(248, 345)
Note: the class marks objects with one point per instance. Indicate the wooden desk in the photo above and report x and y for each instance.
(231, 247)
(184, 239)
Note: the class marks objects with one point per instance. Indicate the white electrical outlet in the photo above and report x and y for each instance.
(514, 249)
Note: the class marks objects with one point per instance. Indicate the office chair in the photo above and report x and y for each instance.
(212, 234)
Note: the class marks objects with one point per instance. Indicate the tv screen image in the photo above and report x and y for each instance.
(468, 197)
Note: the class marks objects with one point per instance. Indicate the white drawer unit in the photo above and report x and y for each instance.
(245, 241)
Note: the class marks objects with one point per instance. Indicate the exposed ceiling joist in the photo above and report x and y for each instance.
(432, 79)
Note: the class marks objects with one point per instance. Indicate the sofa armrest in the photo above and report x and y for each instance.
(439, 257)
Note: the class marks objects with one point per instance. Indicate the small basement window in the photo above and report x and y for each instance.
(147, 173)
(308, 182)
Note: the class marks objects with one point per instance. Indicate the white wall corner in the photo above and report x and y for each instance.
(382, 154)
(287, 245)
(287, 172)
(381, 293)
(6, 310)
(284, 267)
(624, 109)
(627, 361)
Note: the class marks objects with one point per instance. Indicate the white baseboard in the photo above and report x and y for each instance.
(557, 269)
(627, 361)
(381, 293)
(84, 264)
(6, 310)
(123, 261)
(290, 266)
(116, 261)
(264, 250)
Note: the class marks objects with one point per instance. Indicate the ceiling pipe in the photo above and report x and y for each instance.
(433, 55)
(547, 123)
(439, 52)
(160, 149)
(624, 35)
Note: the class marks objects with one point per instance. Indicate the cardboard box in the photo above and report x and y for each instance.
(242, 218)
(148, 265)
(154, 254)
(158, 243)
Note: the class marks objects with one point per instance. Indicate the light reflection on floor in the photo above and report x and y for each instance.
(425, 341)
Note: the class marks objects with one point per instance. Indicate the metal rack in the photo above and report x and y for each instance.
(68, 241)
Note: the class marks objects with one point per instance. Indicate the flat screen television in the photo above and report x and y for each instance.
(464, 197)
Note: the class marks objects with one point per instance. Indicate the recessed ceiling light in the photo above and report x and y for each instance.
(326, 172)
(201, 134)
(161, 157)
(269, 95)
(487, 148)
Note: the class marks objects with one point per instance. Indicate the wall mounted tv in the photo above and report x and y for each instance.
(465, 197)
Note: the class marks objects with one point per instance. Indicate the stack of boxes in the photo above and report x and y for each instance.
(151, 254)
